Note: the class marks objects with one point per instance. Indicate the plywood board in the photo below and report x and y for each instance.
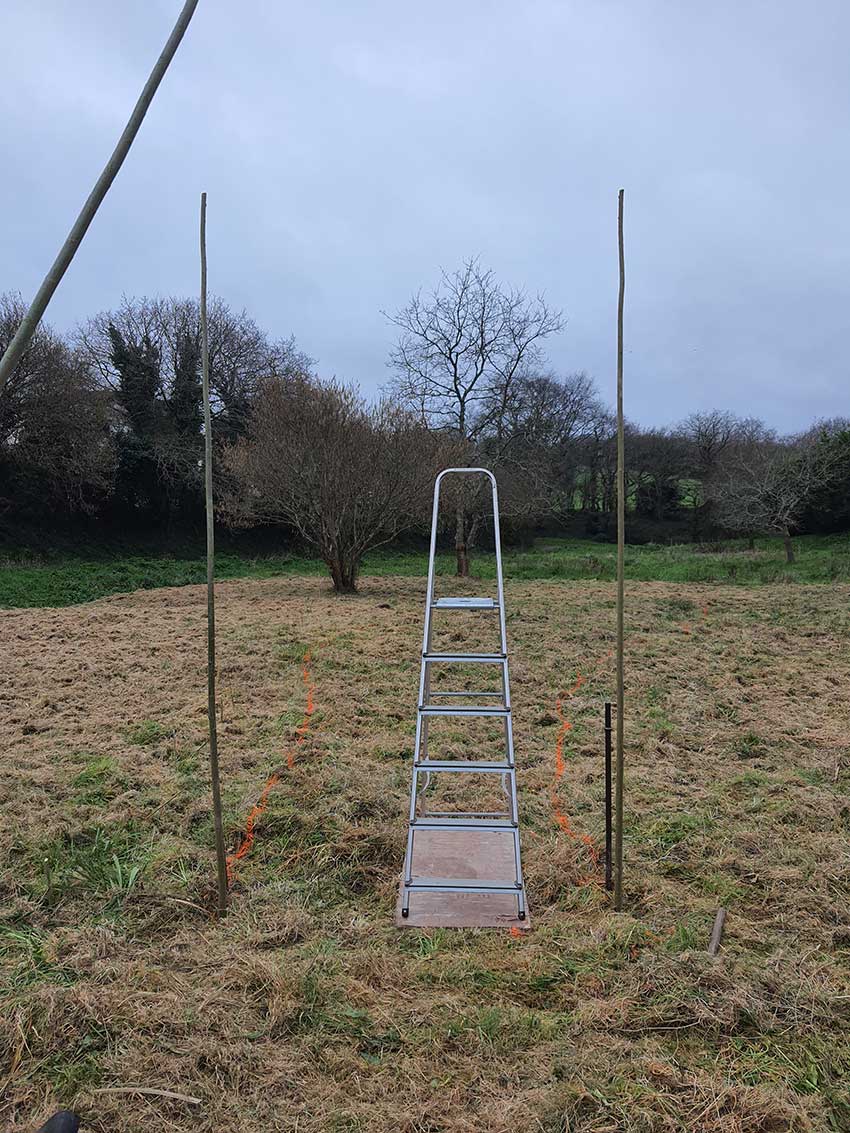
(475, 854)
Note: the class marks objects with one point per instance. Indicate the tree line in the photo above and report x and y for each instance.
(107, 423)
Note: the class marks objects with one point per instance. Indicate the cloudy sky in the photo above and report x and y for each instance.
(352, 150)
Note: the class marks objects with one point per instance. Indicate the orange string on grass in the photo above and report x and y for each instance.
(259, 807)
(560, 767)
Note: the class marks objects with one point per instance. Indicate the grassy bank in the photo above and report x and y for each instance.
(65, 580)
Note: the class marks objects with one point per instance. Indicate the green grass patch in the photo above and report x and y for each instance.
(24, 958)
(79, 1067)
(68, 579)
(98, 863)
(147, 732)
(749, 746)
(98, 781)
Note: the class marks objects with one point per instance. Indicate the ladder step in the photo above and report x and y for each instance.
(464, 824)
(467, 658)
(469, 692)
(464, 604)
(463, 710)
(463, 765)
(490, 815)
(467, 884)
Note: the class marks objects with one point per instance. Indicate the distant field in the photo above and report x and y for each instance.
(306, 1011)
(27, 580)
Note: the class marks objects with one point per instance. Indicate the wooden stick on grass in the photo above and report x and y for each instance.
(110, 171)
(149, 1091)
(621, 539)
(221, 857)
(717, 932)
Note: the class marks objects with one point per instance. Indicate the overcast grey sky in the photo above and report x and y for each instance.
(351, 150)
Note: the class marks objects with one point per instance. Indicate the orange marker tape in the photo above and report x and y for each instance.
(274, 778)
(560, 767)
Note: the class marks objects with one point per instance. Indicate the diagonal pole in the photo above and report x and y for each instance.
(221, 856)
(621, 539)
(110, 171)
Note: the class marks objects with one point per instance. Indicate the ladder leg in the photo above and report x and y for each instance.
(414, 786)
(408, 859)
(520, 888)
(424, 698)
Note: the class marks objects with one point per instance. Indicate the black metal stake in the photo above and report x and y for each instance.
(609, 884)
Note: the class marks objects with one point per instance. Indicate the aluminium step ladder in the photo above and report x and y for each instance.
(485, 830)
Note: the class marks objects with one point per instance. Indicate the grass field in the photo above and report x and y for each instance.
(28, 579)
(306, 1009)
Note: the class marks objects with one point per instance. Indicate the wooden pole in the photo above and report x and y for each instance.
(717, 932)
(66, 253)
(621, 540)
(221, 856)
(609, 857)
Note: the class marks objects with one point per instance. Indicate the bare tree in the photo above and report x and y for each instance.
(462, 353)
(54, 423)
(710, 433)
(541, 444)
(348, 477)
(764, 488)
(657, 464)
(598, 448)
(712, 437)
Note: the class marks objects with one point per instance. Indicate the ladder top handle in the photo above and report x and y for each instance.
(463, 471)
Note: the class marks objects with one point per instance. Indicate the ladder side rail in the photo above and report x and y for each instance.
(500, 581)
(429, 593)
(421, 748)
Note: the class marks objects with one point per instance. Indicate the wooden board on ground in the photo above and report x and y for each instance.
(473, 854)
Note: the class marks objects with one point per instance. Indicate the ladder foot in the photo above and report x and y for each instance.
(519, 916)
(406, 913)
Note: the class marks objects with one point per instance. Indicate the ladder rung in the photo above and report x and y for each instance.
(467, 658)
(468, 692)
(466, 824)
(492, 815)
(468, 884)
(462, 765)
(463, 710)
(464, 604)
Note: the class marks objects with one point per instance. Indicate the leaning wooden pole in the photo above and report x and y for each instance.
(221, 856)
(621, 541)
(66, 253)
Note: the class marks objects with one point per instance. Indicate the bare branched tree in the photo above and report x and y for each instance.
(463, 351)
(541, 446)
(347, 476)
(764, 487)
(656, 465)
(710, 433)
(717, 432)
(54, 423)
(713, 436)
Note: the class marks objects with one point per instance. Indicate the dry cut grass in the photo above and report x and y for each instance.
(306, 1009)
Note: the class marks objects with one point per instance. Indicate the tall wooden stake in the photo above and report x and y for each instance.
(621, 540)
(74, 238)
(221, 856)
